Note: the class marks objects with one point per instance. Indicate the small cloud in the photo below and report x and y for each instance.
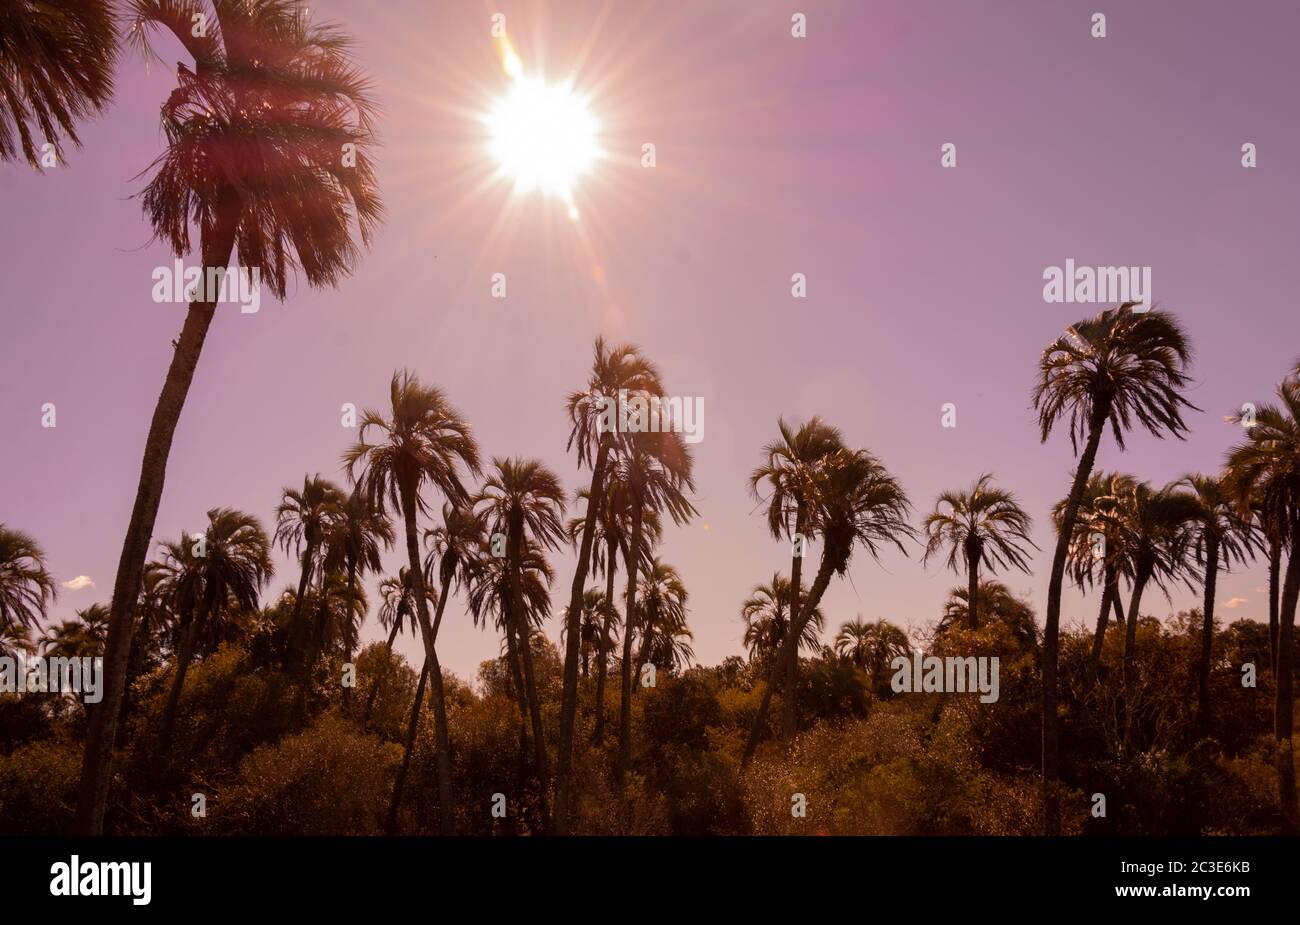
(81, 581)
(1234, 602)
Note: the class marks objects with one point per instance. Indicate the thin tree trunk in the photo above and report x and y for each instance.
(1274, 585)
(297, 630)
(97, 762)
(390, 826)
(631, 558)
(442, 759)
(1207, 632)
(515, 547)
(602, 667)
(973, 585)
(1130, 648)
(347, 658)
(1099, 635)
(383, 675)
(1051, 767)
(183, 659)
(517, 679)
(789, 706)
(1284, 708)
(569, 696)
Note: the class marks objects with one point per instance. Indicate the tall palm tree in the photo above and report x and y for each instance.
(661, 619)
(1222, 536)
(423, 442)
(617, 374)
(412, 727)
(984, 525)
(524, 501)
(766, 613)
(791, 467)
(1265, 470)
(26, 587)
(1119, 368)
(56, 68)
(871, 646)
(303, 521)
(354, 540)
(655, 470)
(255, 133)
(855, 501)
(395, 613)
(229, 575)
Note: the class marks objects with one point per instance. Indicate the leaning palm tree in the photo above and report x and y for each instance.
(617, 374)
(871, 646)
(655, 470)
(1222, 537)
(56, 68)
(1265, 470)
(234, 565)
(984, 525)
(1119, 368)
(267, 140)
(26, 587)
(354, 540)
(423, 442)
(303, 521)
(855, 501)
(790, 469)
(766, 613)
(661, 618)
(523, 501)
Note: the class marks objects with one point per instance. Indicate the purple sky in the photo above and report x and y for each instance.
(775, 155)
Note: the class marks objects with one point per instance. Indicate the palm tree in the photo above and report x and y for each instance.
(56, 68)
(594, 613)
(1265, 470)
(390, 823)
(767, 619)
(854, 500)
(523, 501)
(871, 646)
(303, 520)
(984, 526)
(655, 470)
(14, 638)
(995, 600)
(234, 566)
(424, 441)
(1222, 537)
(1119, 367)
(255, 132)
(355, 537)
(395, 612)
(791, 467)
(661, 619)
(82, 637)
(26, 588)
(617, 374)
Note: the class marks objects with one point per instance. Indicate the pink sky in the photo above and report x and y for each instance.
(775, 155)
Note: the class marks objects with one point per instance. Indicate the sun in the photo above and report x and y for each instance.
(542, 136)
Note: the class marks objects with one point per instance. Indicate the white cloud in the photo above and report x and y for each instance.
(81, 581)
(1234, 602)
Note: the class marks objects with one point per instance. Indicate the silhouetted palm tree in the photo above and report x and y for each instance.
(56, 68)
(791, 467)
(26, 587)
(82, 637)
(617, 374)
(594, 613)
(395, 613)
(855, 501)
(996, 601)
(303, 520)
(1120, 367)
(871, 646)
(423, 441)
(767, 619)
(982, 526)
(661, 619)
(267, 140)
(354, 539)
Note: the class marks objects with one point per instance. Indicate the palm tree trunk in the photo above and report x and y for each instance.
(390, 826)
(517, 679)
(973, 585)
(441, 729)
(1284, 708)
(442, 759)
(611, 550)
(789, 642)
(183, 659)
(97, 763)
(790, 692)
(569, 696)
(631, 558)
(352, 602)
(1051, 767)
(315, 642)
(1207, 632)
(1274, 584)
(1130, 647)
(296, 628)
(1099, 635)
(516, 552)
(383, 676)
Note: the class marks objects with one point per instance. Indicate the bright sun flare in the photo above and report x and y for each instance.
(542, 135)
